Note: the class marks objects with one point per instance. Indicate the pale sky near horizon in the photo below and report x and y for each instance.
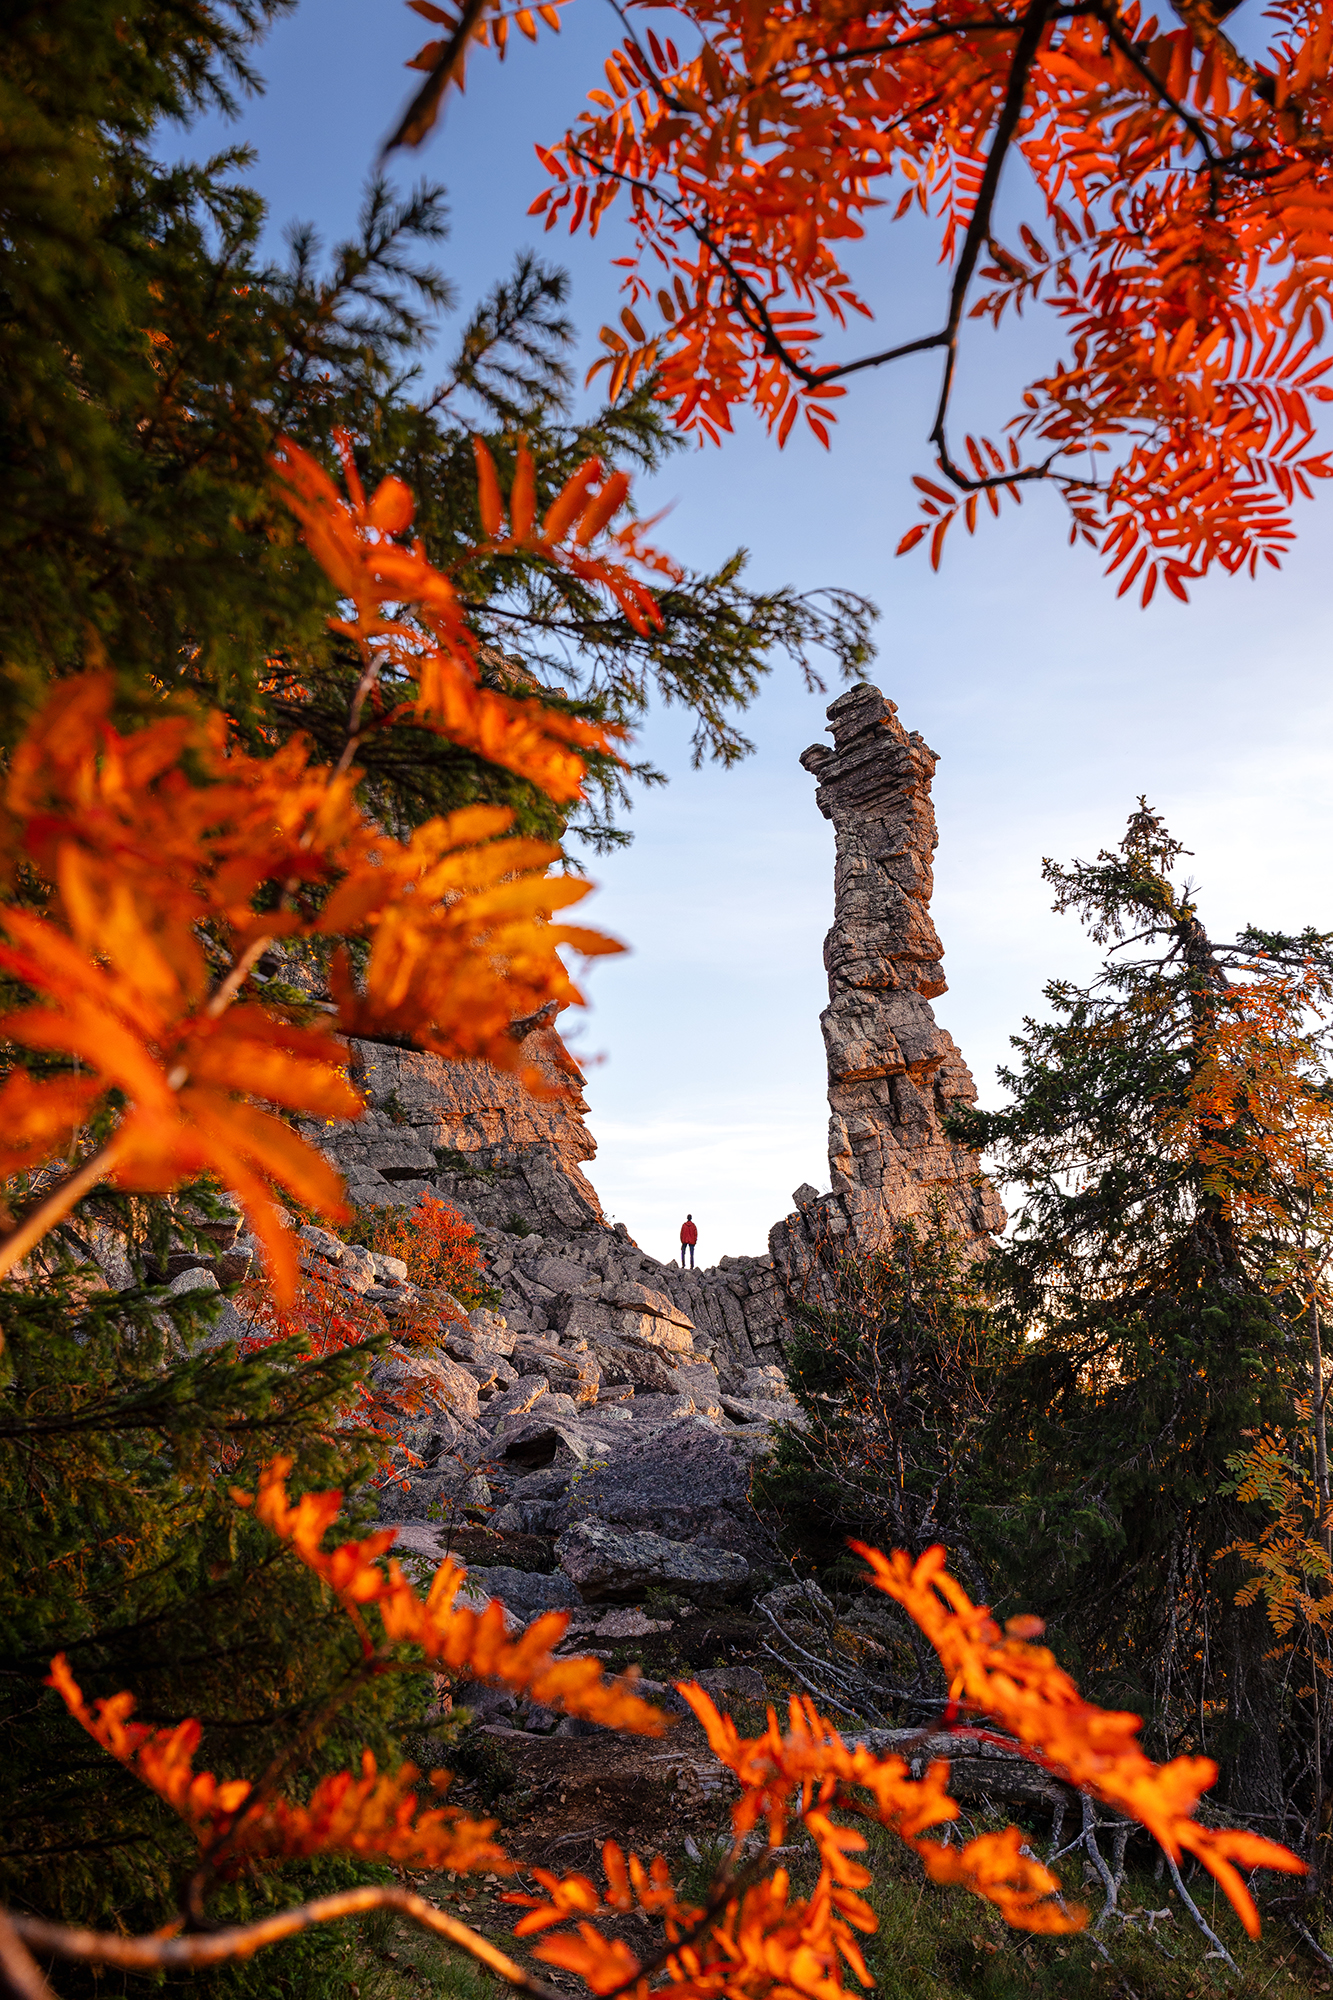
(1051, 704)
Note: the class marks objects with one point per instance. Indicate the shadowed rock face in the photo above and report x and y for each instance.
(893, 1072)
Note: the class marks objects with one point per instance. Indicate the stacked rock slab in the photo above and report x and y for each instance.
(893, 1072)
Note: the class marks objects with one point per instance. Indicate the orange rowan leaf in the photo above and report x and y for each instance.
(489, 503)
(38, 1120)
(374, 1815)
(1022, 1688)
(602, 508)
(569, 503)
(453, 1635)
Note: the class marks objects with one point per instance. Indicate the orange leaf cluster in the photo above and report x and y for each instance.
(491, 30)
(438, 1246)
(753, 1940)
(155, 847)
(761, 1939)
(759, 1942)
(449, 1635)
(375, 1816)
(1180, 229)
(168, 858)
(1256, 1115)
(328, 1320)
(1020, 1686)
(810, 1761)
(1292, 1570)
(353, 542)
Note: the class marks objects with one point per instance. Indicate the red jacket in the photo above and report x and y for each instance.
(688, 1233)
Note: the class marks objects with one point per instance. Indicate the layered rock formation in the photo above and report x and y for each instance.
(596, 1345)
(512, 1164)
(893, 1072)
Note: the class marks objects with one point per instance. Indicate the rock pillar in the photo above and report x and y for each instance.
(893, 1072)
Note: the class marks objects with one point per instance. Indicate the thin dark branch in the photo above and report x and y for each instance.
(155, 1954)
(422, 112)
(949, 32)
(746, 294)
(979, 227)
(1193, 125)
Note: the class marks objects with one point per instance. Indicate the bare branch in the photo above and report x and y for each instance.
(151, 1954)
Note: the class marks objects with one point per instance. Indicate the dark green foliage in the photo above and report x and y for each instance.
(890, 1367)
(1145, 1338)
(121, 1432)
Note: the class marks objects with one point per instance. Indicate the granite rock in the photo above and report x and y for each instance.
(894, 1075)
(615, 1565)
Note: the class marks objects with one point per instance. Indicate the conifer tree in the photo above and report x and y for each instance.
(888, 1359)
(153, 357)
(1152, 1329)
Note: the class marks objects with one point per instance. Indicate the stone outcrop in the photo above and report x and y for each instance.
(893, 1072)
(512, 1163)
(617, 1565)
(474, 1134)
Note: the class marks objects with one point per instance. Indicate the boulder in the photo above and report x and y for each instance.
(641, 1368)
(537, 1442)
(321, 1243)
(442, 1494)
(639, 1300)
(444, 1382)
(626, 1621)
(492, 1328)
(558, 1274)
(196, 1279)
(516, 1401)
(521, 1591)
(697, 1380)
(764, 1410)
(679, 1479)
(616, 1566)
(651, 1409)
(356, 1269)
(389, 1270)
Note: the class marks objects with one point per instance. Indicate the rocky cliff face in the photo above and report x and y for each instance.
(893, 1072)
(512, 1163)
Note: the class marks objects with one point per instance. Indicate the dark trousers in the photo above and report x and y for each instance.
(684, 1248)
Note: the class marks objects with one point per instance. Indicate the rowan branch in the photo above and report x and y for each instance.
(1200, 22)
(1193, 125)
(157, 1954)
(949, 31)
(20, 1974)
(56, 1204)
(979, 226)
(421, 114)
(744, 291)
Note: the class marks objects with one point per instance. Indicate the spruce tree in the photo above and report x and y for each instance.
(1150, 1331)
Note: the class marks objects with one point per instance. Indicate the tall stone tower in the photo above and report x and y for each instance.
(893, 1072)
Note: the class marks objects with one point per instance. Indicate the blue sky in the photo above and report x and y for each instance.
(1052, 705)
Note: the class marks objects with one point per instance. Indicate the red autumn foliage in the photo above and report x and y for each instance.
(1168, 199)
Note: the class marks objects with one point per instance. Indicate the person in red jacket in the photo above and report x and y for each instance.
(689, 1236)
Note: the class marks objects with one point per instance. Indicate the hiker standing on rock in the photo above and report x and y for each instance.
(689, 1236)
